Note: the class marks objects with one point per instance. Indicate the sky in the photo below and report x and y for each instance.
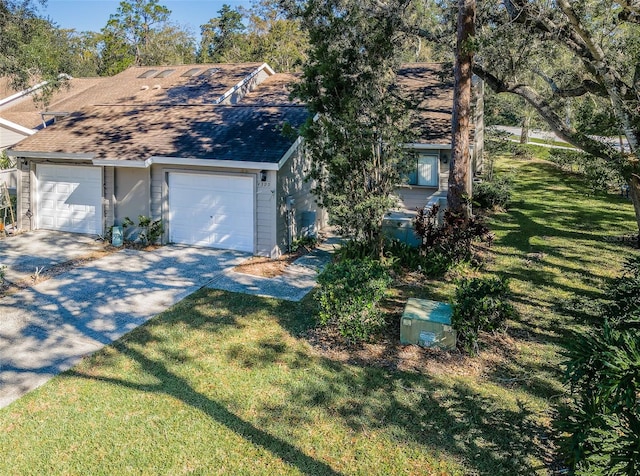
(92, 15)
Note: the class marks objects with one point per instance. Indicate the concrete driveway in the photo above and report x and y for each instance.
(23, 253)
(48, 328)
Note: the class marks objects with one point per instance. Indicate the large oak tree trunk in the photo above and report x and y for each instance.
(459, 173)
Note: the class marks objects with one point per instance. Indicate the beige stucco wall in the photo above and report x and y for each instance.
(131, 195)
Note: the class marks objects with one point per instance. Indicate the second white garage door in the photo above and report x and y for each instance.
(216, 211)
(69, 198)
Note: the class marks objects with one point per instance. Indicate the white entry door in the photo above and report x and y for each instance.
(215, 211)
(69, 198)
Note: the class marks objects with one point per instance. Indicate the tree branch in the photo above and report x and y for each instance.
(630, 11)
(542, 106)
(587, 86)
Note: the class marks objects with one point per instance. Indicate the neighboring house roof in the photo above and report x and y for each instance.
(431, 85)
(26, 112)
(207, 84)
(239, 133)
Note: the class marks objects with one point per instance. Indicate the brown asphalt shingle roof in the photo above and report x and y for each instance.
(431, 86)
(125, 121)
(128, 88)
(136, 133)
(275, 90)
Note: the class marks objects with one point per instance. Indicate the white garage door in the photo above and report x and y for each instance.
(216, 211)
(69, 198)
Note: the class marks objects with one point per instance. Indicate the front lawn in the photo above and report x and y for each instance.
(226, 384)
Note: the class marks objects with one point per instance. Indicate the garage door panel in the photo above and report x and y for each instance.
(70, 198)
(212, 210)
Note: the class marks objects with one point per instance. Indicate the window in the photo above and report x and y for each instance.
(426, 172)
(191, 72)
(164, 74)
(148, 73)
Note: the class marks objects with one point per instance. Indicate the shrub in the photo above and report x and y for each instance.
(492, 194)
(150, 230)
(603, 373)
(522, 151)
(624, 293)
(480, 305)
(349, 293)
(452, 239)
(599, 174)
(354, 250)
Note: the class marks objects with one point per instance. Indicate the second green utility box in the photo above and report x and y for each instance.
(428, 324)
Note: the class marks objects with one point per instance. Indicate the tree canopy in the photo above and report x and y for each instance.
(561, 55)
(361, 122)
(140, 34)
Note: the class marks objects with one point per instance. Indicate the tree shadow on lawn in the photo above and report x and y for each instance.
(171, 384)
(442, 415)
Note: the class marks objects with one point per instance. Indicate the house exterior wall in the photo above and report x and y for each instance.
(132, 192)
(412, 197)
(265, 201)
(9, 137)
(292, 183)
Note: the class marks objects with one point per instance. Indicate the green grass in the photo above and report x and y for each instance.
(224, 383)
(534, 140)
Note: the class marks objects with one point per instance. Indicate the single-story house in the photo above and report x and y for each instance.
(205, 149)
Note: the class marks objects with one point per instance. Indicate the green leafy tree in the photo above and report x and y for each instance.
(603, 371)
(223, 38)
(361, 121)
(30, 46)
(276, 38)
(140, 34)
(561, 55)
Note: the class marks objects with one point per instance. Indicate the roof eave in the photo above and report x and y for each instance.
(48, 155)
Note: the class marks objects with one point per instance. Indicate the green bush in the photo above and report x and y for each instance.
(480, 305)
(150, 230)
(602, 420)
(599, 174)
(349, 293)
(492, 194)
(624, 293)
(450, 241)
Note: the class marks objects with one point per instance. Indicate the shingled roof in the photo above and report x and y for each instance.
(148, 85)
(177, 116)
(238, 133)
(430, 85)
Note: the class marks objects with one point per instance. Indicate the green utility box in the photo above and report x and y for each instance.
(428, 324)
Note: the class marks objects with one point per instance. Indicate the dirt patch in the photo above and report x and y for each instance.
(270, 268)
(387, 352)
(266, 267)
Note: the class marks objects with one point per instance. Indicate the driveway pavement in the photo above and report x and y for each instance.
(48, 328)
(23, 253)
